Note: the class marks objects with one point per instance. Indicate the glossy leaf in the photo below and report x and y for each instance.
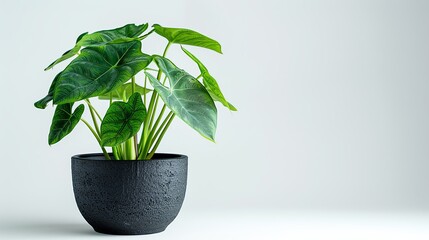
(81, 36)
(187, 37)
(127, 88)
(99, 70)
(126, 33)
(187, 98)
(44, 101)
(64, 121)
(70, 53)
(122, 121)
(210, 83)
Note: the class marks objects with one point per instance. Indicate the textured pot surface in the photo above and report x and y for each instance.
(129, 197)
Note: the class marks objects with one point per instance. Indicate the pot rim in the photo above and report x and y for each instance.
(161, 157)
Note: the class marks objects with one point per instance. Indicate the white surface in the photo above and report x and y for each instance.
(234, 225)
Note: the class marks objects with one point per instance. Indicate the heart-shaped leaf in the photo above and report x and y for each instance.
(44, 101)
(187, 37)
(64, 121)
(210, 83)
(187, 98)
(117, 94)
(122, 121)
(126, 33)
(99, 70)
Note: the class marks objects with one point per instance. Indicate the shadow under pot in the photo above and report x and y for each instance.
(129, 197)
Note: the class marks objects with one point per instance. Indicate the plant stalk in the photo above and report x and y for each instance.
(160, 128)
(150, 115)
(130, 153)
(145, 84)
(133, 84)
(106, 155)
(135, 147)
(93, 109)
(115, 153)
(158, 141)
(150, 138)
(97, 129)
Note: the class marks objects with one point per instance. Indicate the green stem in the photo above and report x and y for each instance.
(130, 152)
(149, 142)
(93, 108)
(133, 84)
(153, 111)
(149, 117)
(91, 129)
(166, 49)
(159, 118)
(124, 151)
(145, 133)
(151, 69)
(159, 78)
(155, 107)
(135, 147)
(106, 155)
(163, 81)
(94, 120)
(120, 152)
(115, 153)
(158, 141)
(160, 129)
(145, 84)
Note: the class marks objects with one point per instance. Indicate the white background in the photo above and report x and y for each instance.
(333, 113)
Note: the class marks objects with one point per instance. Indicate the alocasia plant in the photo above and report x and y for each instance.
(105, 65)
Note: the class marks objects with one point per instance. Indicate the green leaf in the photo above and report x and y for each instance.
(187, 37)
(122, 121)
(127, 88)
(210, 83)
(126, 33)
(64, 121)
(81, 36)
(99, 70)
(44, 101)
(70, 53)
(187, 98)
(231, 107)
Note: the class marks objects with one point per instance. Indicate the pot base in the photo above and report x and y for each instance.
(122, 232)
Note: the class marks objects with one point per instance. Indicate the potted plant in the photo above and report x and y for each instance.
(131, 189)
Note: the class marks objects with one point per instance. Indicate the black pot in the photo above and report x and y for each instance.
(129, 197)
